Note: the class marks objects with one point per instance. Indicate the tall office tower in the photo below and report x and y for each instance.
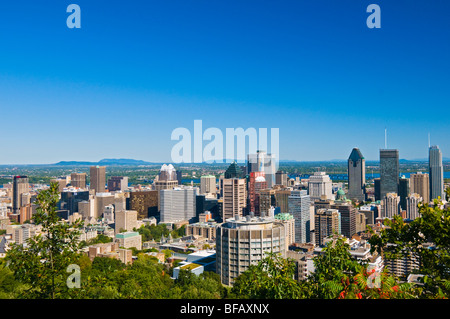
(360, 222)
(299, 203)
(257, 182)
(412, 208)
(420, 184)
(234, 197)
(260, 235)
(117, 183)
(178, 204)
(234, 171)
(281, 178)
(167, 173)
(208, 185)
(179, 177)
(125, 220)
(78, 180)
(266, 200)
(391, 205)
(403, 191)
(436, 173)
(389, 172)
(20, 186)
(282, 199)
(320, 185)
(263, 162)
(348, 217)
(376, 187)
(327, 222)
(145, 203)
(98, 178)
(356, 176)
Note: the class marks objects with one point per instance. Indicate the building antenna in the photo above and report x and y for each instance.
(429, 140)
(385, 138)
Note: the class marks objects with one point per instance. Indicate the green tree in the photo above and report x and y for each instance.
(337, 275)
(271, 278)
(428, 239)
(42, 263)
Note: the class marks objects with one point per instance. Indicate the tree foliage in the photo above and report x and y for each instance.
(42, 263)
(428, 239)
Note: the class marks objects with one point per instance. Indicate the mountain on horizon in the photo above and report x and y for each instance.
(106, 161)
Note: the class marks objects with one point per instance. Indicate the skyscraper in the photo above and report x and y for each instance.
(403, 191)
(20, 186)
(299, 203)
(256, 183)
(389, 172)
(98, 178)
(356, 175)
(436, 173)
(234, 197)
(420, 184)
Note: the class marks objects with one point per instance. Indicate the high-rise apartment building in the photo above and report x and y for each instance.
(98, 178)
(412, 206)
(348, 217)
(320, 185)
(244, 241)
(327, 223)
(234, 197)
(356, 176)
(391, 205)
(420, 184)
(299, 203)
(20, 186)
(389, 172)
(436, 172)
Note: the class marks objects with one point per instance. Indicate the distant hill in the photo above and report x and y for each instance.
(106, 161)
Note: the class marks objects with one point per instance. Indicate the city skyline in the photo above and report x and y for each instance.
(153, 68)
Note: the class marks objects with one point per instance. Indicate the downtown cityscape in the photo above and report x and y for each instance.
(221, 157)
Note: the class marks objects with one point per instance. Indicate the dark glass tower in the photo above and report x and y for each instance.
(356, 176)
(389, 172)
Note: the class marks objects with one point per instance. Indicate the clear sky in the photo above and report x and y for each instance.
(136, 70)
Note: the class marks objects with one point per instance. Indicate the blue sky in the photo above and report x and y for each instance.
(136, 70)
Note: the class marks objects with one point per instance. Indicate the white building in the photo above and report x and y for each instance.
(412, 209)
(320, 185)
(178, 204)
(391, 205)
